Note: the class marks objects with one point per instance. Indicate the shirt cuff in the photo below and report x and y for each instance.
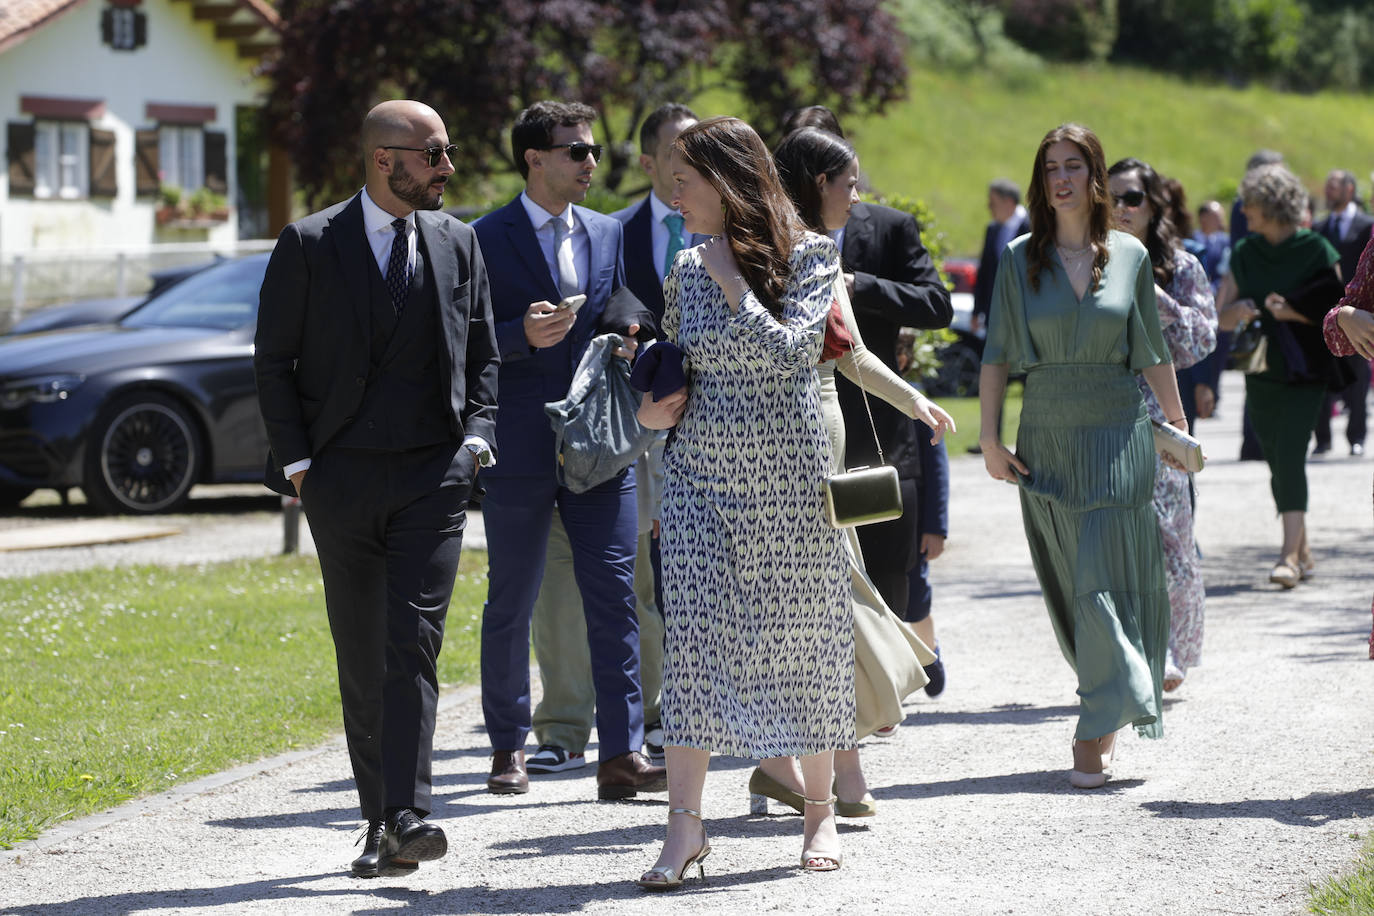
(481, 449)
(295, 467)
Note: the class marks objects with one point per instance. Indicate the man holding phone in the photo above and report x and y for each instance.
(542, 250)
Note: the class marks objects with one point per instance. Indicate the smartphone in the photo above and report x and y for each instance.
(572, 302)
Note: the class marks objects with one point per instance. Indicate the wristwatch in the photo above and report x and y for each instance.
(481, 453)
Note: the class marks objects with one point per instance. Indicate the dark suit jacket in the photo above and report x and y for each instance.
(641, 273)
(1350, 249)
(311, 355)
(987, 265)
(896, 285)
(530, 378)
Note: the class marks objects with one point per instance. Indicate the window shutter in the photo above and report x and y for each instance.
(21, 158)
(107, 27)
(147, 181)
(140, 29)
(216, 161)
(103, 181)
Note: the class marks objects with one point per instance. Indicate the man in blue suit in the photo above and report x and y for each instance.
(563, 718)
(541, 250)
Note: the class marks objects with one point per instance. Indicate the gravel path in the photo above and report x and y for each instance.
(1261, 785)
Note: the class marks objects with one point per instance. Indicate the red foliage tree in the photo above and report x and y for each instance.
(478, 62)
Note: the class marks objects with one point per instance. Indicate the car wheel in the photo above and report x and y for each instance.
(13, 496)
(143, 456)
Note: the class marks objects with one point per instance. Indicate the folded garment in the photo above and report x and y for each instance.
(659, 369)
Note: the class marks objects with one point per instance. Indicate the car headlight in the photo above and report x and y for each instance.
(41, 390)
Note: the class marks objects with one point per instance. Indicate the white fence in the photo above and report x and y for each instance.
(32, 279)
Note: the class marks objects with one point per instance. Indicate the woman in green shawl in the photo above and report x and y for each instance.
(1287, 277)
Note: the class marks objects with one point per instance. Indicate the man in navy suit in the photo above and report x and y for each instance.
(1009, 221)
(1347, 227)
(376, 370)
(540, 250)
(563, 719)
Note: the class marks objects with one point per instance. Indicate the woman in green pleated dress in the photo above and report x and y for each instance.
(1074, 309)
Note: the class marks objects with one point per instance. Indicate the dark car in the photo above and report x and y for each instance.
(137, 412)
(104, 311)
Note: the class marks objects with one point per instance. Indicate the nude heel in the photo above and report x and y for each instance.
(827, 861)
(667, 879)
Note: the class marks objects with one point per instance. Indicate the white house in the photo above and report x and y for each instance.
(112, 107)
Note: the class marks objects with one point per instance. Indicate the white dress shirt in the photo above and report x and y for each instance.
(1343, 219)
(581, 241)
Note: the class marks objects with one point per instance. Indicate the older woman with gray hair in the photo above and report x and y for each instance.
(1287, 277)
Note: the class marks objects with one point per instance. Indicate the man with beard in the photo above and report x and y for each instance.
(376, 368)
(543, 250)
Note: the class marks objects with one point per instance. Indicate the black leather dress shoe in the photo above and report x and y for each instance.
(413, 839)
(378, 848)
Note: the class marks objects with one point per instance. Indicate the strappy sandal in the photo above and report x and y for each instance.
(1285, 573)
(662, 878)
(827, 861)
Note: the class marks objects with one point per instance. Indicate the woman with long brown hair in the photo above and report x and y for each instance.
(759, 646)
(1074, 309)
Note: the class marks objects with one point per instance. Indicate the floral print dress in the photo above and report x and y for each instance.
(1188, 317)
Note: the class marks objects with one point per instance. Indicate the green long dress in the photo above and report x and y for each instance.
(1086, 438)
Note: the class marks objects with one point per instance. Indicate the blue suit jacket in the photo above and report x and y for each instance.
(529, 378)
(641, 274)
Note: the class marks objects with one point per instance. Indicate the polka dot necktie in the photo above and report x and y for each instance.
(398, 267)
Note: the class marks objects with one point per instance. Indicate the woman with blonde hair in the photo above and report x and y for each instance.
(1074, 309)
(1294, 274)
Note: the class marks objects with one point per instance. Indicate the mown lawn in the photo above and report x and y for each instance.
(965, 414)
(958, 130)
(1350, 894)
(121, 683)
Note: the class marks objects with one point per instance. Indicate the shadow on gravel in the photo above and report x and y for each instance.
(1006, 714)
(1034, 782)
(1312, 810)
(277, 890)
(559, 898)
(235, 503)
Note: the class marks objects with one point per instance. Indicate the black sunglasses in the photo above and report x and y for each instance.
(578, 151)
(435, 153)
(1129, 199)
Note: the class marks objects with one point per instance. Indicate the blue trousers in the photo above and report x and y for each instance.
(602, 531)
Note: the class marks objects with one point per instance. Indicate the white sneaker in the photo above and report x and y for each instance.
(653, 743)
(550, 758)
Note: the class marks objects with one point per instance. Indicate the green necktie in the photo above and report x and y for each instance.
(674, 223)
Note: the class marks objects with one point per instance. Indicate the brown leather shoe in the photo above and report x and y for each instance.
(508, 775)
(623, 776)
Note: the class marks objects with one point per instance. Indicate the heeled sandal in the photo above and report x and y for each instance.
(828, 862)
(763, 787)
(662, 878)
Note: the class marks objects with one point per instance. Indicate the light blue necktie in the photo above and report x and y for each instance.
(674, 223)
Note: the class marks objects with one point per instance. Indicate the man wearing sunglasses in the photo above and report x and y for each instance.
(376, 368)
(541, 250)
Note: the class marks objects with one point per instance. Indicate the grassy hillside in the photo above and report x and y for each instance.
(958, 130)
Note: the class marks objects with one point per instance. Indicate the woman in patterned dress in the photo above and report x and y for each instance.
(1349, 327)
(759, 644)
(1074, 309)
(1188, 317)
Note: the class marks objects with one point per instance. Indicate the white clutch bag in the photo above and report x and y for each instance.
(1170, 440)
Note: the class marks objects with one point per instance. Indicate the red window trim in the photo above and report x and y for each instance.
(179, 114)
(43, 106)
